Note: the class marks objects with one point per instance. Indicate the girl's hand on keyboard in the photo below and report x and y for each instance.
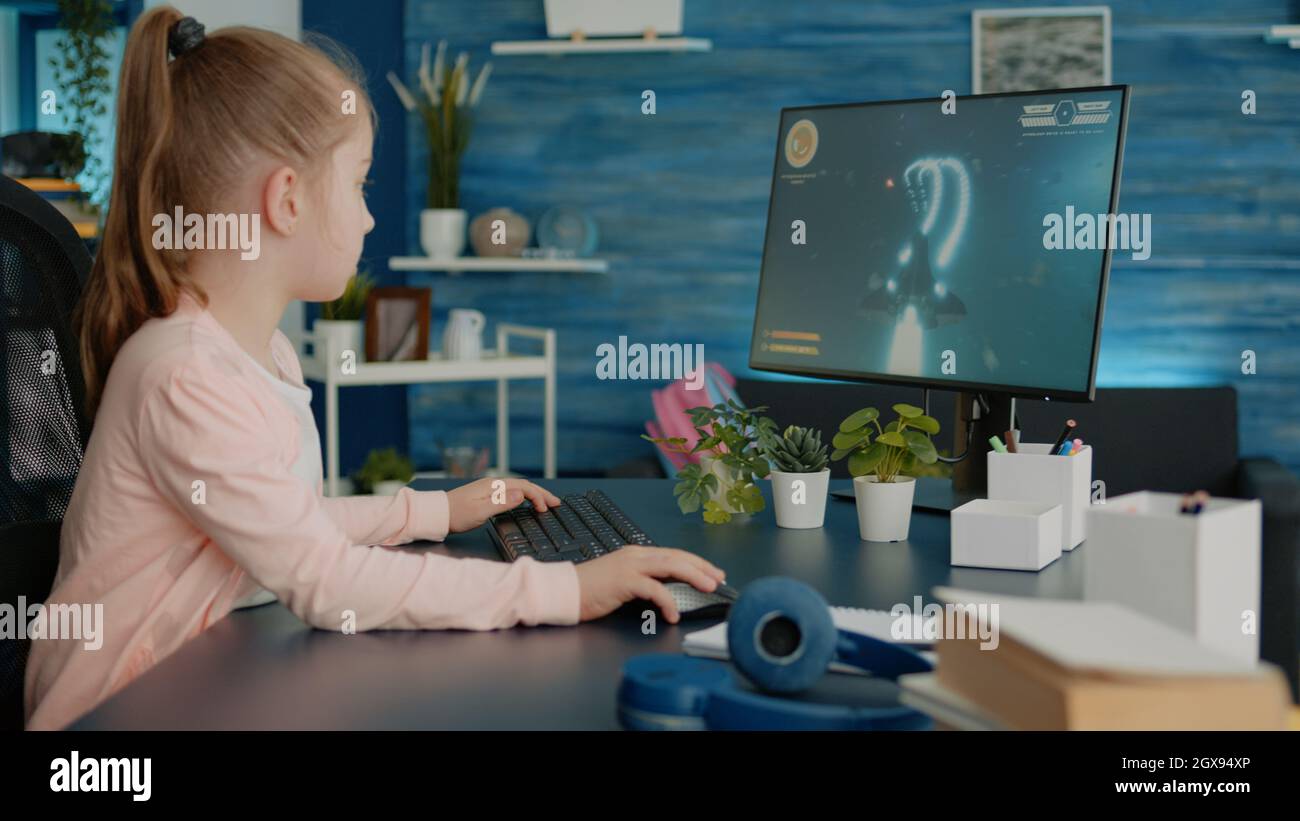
(469, 506)
(633, 572)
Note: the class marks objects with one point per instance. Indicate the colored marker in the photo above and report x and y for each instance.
(997, 444)
(1070, 425)
(1011, 441)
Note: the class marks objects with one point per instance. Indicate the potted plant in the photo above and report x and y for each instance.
(730, 460)
(884, 463)
(798, 456)
(81, 73)
(384, 473)
(445, 106)
(339, 325)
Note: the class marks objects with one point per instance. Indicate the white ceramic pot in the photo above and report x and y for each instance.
(387, 488)
(340, 334)
(884, 508)
(442, 232)
(807, 508)
(708, 464)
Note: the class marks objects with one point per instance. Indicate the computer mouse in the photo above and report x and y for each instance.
(694, 603)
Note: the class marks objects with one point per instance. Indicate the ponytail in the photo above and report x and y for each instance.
(131, 281)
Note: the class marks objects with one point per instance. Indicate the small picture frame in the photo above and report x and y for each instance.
(397, 324)
(1031, 49)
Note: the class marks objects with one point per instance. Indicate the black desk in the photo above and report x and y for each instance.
(264, 669)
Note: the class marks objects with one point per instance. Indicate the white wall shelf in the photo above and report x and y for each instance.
(579, 265)
(602, 45)
(1289, 34)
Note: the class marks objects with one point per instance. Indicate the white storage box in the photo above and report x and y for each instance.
(1007, 535)
(1198, 573)
(1034, 474)
(605, 18)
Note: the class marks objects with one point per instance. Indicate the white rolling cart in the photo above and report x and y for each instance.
(499, 365)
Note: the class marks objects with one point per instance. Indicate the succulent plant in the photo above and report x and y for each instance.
(797, 450)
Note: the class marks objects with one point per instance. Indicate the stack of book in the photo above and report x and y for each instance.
(1067, 665)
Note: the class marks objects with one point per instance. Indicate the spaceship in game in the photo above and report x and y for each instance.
(915, 286)
(914, 294)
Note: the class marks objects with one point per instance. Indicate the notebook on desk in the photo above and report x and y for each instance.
(712, 642)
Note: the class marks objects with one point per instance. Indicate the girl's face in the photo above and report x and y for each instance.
(331, 244)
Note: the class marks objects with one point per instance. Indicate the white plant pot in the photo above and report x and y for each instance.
(708, 464)
(442, 232)
(805, 510)
(884, 508)
(387, 488)
(340, 335)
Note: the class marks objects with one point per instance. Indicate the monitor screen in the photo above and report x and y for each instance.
(910, 245)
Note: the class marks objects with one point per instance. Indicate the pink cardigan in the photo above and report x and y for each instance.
(185, 503)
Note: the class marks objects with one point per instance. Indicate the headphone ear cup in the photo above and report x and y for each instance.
(780, 635)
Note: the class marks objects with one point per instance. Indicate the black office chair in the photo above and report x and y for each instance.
(43, 427)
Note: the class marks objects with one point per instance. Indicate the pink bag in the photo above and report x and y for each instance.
(671, 403)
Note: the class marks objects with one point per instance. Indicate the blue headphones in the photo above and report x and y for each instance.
(781, 637)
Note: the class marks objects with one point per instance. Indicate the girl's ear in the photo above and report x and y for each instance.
(282, 200)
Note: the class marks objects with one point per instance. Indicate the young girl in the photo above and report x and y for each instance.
(202, 480)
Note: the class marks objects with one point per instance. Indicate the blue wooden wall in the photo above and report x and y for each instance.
(681, 197)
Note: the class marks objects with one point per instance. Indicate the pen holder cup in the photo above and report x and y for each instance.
(1034, 474)
(1006, 535)
(1199, 573)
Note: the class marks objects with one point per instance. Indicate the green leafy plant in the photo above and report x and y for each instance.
(446, 107)
(81, 73)
(731, 435)
(351, 304)
(382, 466)
(797, 450)
(900, 447)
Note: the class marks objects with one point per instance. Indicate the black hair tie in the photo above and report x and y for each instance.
(186, 34)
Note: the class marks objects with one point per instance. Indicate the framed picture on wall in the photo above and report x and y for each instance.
(1039, 48)
(397, 324)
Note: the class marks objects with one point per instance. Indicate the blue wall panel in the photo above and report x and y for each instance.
(681, 197)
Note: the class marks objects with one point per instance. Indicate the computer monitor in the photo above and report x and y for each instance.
(912, 242)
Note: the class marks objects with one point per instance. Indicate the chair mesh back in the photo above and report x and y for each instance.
(42, 424)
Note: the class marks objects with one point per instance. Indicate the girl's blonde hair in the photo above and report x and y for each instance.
(187, 128)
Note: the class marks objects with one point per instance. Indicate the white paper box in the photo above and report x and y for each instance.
(1007, 535)
(604, 18)
(1197, 573)
(1036, 475)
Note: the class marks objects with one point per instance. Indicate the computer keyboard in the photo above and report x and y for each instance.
(587, 526)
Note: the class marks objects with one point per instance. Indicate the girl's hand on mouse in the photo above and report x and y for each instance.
(633, 572)
(470, 505)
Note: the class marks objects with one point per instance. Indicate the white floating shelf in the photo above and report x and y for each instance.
(580, 265)
(603, 45)
(1289, 34)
